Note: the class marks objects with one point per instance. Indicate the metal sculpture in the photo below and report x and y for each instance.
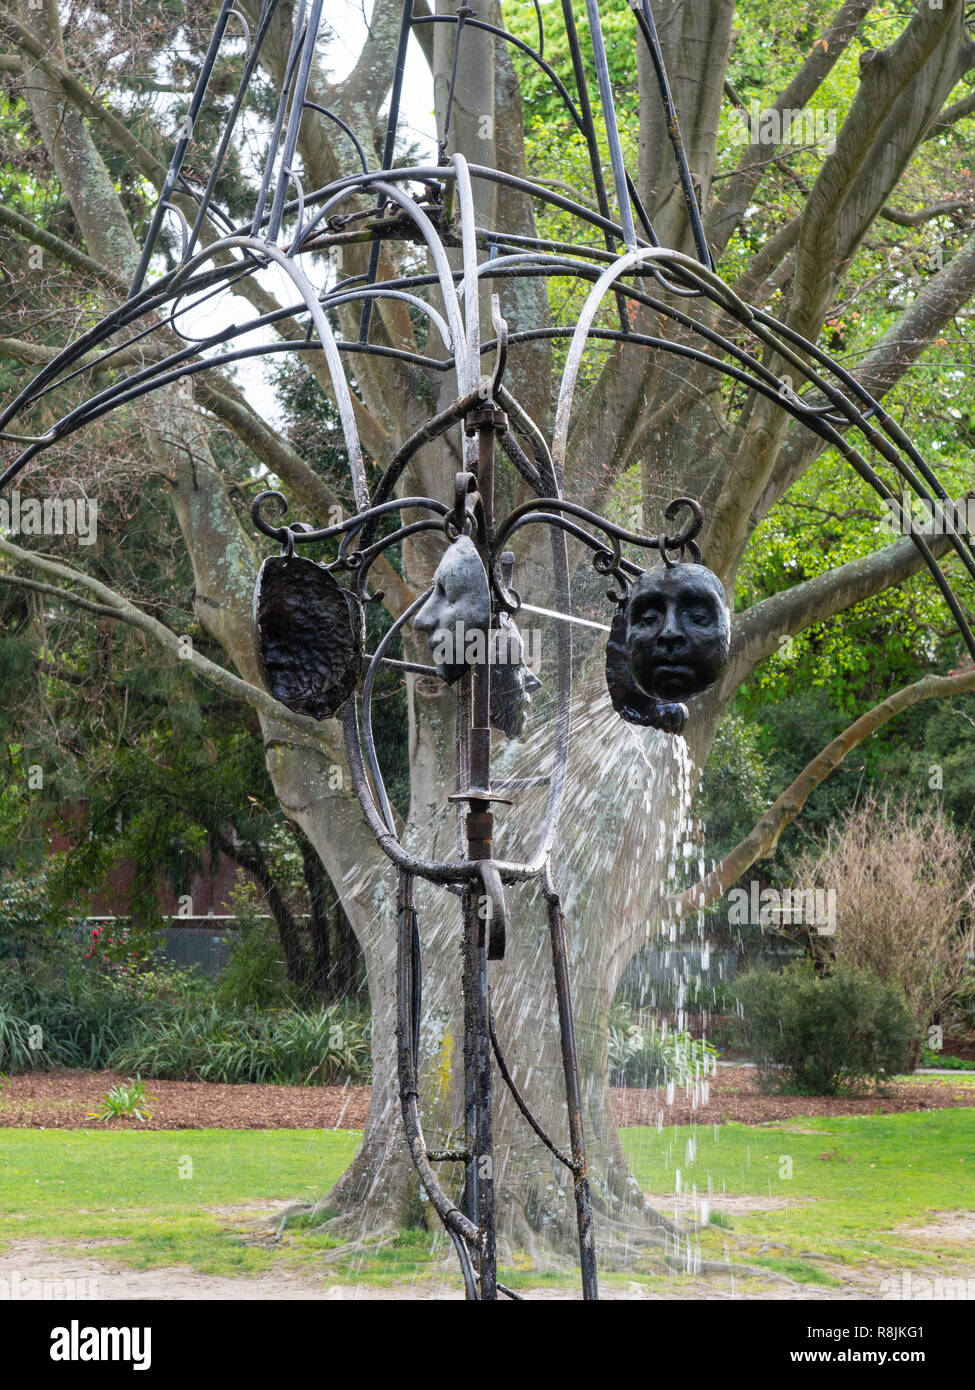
(308, 626)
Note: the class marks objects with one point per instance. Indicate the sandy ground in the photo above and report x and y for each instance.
(52, 1270)
(56, 1270)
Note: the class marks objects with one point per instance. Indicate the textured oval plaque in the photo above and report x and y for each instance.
(309, 634)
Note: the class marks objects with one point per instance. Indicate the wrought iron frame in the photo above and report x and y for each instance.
(432, 205)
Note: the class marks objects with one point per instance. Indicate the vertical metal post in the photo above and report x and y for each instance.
(480, 831)
(573, 1096)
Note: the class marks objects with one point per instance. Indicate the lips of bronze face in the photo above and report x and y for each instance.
(678, 632)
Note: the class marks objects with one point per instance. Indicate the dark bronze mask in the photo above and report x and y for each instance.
(678, 631)
(457, 614)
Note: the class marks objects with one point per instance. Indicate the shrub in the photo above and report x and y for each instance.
(121, 953)
(820, 1034)
(904, 902)
(68, 1016)
(62, 1017)
(29, 924)
(255, 976)
(285, 1046)
(652, 1056)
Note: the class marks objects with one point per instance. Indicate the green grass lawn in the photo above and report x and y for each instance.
(153, 1188)
(853, 1180)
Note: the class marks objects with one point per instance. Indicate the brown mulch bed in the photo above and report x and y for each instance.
(64, 1100)
(734, 1096)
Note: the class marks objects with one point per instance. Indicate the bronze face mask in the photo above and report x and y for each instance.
(458, 610)
(677, 632)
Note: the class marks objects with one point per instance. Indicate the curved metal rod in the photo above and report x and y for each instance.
(644, 20)
(381, 292)
(369, 742)
(340, 385)
(519, 1099)
(182, 145)
(350, 525)
(577, 346)
(274, 140)
(472, 308)
(609, 122)
(324, 111)
(451, 305)
(268, 8)
(450, 1214)
(434, 427)
(618, 533)
(365, 559)
(536, 56)
(887, 422)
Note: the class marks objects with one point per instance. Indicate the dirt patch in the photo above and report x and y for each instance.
(946, 1225)
(689, 1203)
(733, 1095)
(46, 1269)
(65, 1100)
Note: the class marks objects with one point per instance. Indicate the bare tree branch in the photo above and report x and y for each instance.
(884, 364)
(115, 605)
(950, 116)
(884, 74)
(64, 251)
(914, 219)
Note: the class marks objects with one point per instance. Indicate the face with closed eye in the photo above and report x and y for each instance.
(459, 605)
(678, 632)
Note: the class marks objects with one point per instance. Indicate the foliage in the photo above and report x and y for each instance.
(126, 1099)
(286, 1047)
(735, 786)
(818, 1035)
(69, 1016)
(945, 1063)
(80, 1018)
(255, 976)
(646, 1055)
(121, 953)
(904, 900)
(29, 922)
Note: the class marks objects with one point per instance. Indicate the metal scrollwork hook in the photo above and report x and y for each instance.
(460, 521)
(281, 534)
(684, 540)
